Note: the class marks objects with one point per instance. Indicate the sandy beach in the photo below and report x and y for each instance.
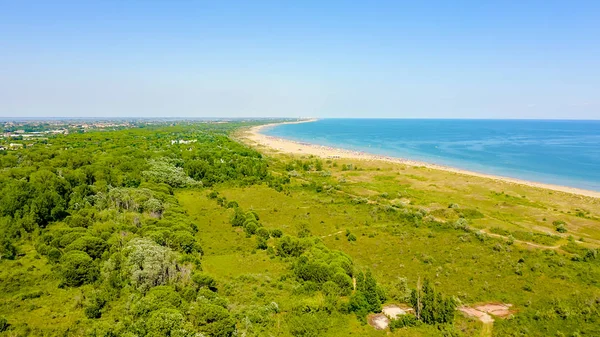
(255, 137)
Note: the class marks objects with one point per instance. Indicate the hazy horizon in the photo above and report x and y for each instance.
(434, 60)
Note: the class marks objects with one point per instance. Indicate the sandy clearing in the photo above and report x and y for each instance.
(393, 311)
(279, 144)
(480, 315)
(379, 321)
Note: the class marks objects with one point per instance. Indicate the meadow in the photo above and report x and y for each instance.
(219, 237)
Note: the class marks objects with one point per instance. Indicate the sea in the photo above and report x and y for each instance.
(558, 152)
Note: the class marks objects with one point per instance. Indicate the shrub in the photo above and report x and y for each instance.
(351, 237)
(95, 305)
(157, 298)
(263, 233)
(184, 241)
(561, 228)
(204, 280)
(92, 245)
(403, 321)
(288, 246)
(3, 324)
(212, 319)
(308, 324)
(78, 268)
(167, 322)
(276, 233)
(7, 249)
(261, 243)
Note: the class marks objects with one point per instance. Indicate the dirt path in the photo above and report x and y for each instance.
(484, 313)
(519, 241)
(332, 234)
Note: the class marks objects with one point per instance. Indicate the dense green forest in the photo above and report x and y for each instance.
(182, 230)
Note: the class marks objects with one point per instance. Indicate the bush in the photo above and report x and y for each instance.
(7, 249)
(288, 246)
(204, 280)
(561, 228)
(157, 298)
(78, 269)
(351, 237)
(167, 322)
(263, 233)
(184, 241)
(3, 324)
(308, 324)
(403, 321)
(276, 233)
(92, 245)
(54, 255)
(211, 319)
(261, 243)
(94, 307)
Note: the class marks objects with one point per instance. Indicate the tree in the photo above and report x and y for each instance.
(92, 245)
(150, 264)
(211, 319)
(168, 322)
(430, 306)
(78, 269)
(7, 249)
(204, 280)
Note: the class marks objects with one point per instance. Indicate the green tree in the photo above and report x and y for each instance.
(78, 269)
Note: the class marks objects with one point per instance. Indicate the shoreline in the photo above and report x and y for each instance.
(293, 147)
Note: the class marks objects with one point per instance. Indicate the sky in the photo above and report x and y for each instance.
(364, 59)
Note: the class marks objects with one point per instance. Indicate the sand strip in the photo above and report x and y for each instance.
(284, 145)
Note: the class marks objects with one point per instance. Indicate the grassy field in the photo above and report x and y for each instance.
(523, 260)
(478, 241)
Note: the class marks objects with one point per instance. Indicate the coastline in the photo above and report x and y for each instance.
(293, 147)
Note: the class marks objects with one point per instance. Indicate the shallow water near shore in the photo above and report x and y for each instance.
(547, 151)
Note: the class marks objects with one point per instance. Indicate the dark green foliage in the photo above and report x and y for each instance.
(157, 298)
(78, 268)
(263, 233)
(7, 249)
(430, 306)
(238, 217)
(261, 243)
(289, 246)
(561, 228)
(95, 305)
(166, 322)
(276, 233)
(311, 324)
(212, 319)
(351, 237)
(92, 245)
(3, 324)
(204, 280)
(403, 321)
(185, 242)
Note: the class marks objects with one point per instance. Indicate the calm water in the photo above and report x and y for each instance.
(548, 151)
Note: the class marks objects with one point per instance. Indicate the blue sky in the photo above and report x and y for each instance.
(434, 59)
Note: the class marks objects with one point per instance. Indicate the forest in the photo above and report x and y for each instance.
(183, 229)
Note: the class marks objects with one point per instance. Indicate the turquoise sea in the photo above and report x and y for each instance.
(560, 152)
